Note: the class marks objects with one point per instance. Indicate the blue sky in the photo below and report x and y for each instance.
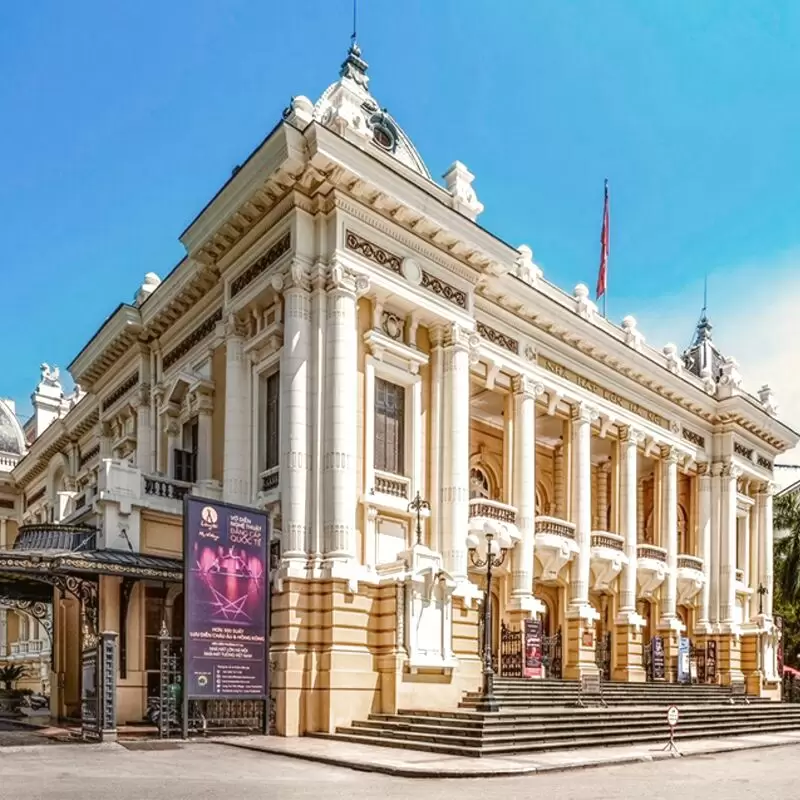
(122, 119)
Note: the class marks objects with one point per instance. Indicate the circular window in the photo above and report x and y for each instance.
(383, 132)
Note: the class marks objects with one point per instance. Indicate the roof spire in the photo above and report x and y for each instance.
(354, 67)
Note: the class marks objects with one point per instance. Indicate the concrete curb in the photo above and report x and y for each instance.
(500, 772)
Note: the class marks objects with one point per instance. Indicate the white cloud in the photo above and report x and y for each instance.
(755, 311)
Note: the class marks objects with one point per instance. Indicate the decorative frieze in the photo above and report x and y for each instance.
(498, 337)
(120, 391)
(606, 394)
(439, 287)
(695, 438)
(764, 463)
(383, 258)
(741, 450)
(86, 457)
(261, 265)
(204, 329)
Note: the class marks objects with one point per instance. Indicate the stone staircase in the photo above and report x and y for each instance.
(513, 693)
(529, 723)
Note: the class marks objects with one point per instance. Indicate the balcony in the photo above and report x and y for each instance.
(270, 480)
(55, 536)
(691, 578)
(492, 516)
(651, 568)
(387, 483)
(608, 559)
(555, 545)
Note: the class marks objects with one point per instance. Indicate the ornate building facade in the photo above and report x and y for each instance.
(341, 337)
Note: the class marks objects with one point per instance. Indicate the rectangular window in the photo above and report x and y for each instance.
(186, 459)
(390, 406)
(272, 444)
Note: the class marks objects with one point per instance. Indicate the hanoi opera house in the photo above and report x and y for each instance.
(342, 337)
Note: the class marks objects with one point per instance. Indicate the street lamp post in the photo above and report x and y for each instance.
(488, 701)
(762, 590)
(419, 505)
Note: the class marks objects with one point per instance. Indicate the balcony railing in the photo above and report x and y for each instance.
(53, 536)
(393, 485)
(556, 526)
(166, 488)
(651, 551)
(270, 479)
(613, 541)
(690, 562)
(492, 509)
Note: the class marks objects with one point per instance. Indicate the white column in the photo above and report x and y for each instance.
(628, 491)
(205, 437)
(525, 393)
(236, 454)
(319, 305)
(509, 452)
(766, 535)
(704, 532)
(143, 435)
(341, 409)
(669, 531)
(754, 538)
(716, 532)
(581, 495)
(436, 334)
(3, 533)
(294, 415)
(455, 453)
(727, 599)
(640, 510)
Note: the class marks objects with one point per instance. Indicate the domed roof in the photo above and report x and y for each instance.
(12, 440)
(349, 103)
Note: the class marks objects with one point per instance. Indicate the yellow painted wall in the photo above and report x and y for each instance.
(162, 535)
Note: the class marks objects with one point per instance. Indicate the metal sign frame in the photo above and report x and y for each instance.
(186, 697)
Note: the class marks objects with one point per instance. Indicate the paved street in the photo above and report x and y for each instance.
(209, 772)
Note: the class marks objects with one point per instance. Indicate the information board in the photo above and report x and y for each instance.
(532, 633)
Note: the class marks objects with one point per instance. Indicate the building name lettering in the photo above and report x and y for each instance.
(606, 394)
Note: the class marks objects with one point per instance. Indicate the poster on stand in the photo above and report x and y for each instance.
(226, 600)
(684, 674)
(532, 640)
(711, 662)
(657, 658)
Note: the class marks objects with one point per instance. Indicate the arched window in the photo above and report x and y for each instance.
(480, 486)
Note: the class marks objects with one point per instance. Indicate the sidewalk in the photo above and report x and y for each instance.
(418, 764)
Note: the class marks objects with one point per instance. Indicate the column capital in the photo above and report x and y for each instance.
(631, 435)
(527, 387)
(342, 279)
(234, 328)
(459, 337)
(731, 471)
(584, 412)
(703, 469)
(669, 454)
(296, 278)
(768, 489)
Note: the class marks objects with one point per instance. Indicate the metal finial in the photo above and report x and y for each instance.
(355, 21)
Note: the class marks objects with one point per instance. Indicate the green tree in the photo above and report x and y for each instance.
(787, 573)
(11, 673)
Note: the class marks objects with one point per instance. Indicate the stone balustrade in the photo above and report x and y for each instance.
(612, 541)
(157, 486)
(651, 551)
(492, 509)
(270, 479)
(690, 562)
(392, 485)
(555, 526)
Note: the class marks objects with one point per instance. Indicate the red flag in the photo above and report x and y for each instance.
(604, 236)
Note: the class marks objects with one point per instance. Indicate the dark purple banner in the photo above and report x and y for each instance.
(226, 572)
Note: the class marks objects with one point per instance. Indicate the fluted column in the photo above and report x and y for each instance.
(669, 531)
(628, 490)
(766, 535)
(236, 461)
(525, 393)
(341, 404)
(640, 510)
(455, 452)
(716, 532)
(143, 435)
(295, 458)
(704, 531)
(727, 601)
(581, 443)
(603, 472)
